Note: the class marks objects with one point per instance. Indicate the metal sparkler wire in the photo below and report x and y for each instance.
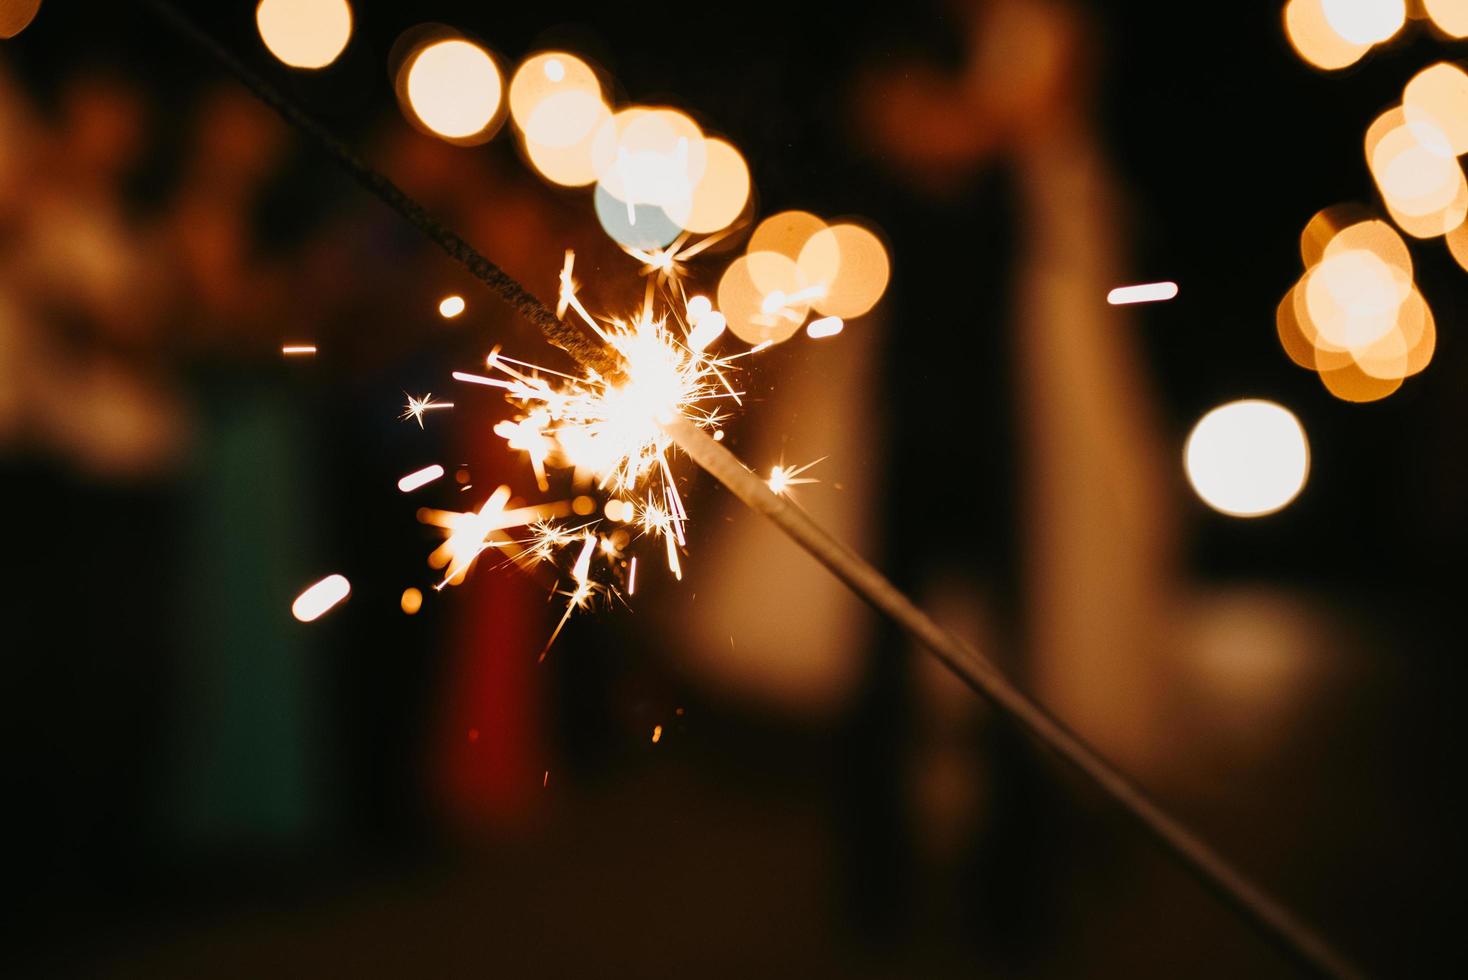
(1266, 914)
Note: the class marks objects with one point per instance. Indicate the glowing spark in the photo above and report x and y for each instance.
(298, 349)
(320, 597)
(826, 326)
(608, 430)
(581, 575)
(657, 733)
(783, 477)
(472, 532)
(420, 478)
(612, 427)
(451, 306)
(476, 379)
(667, 263)
(417, 406)
(1149, 292)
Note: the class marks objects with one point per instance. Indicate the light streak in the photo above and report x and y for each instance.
(417, 406)
(826, 326)
(1147, 292)
(314, 602)
(420, 478)
(297, 349)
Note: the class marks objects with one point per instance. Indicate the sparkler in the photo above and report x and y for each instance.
(609, 428)
(656, 383)
(783, 477)
(417, 406)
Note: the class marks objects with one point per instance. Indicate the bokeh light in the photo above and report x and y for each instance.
(1451, 16)
(305, 33)
(1365, 21)
(720, 195)
(1439, 94)
(1315, 40)
(1247, 458)
(650, 156)
(785, 233)
(1353, 297)
(411, 601)
(849, 265)
(16, 16)
(556, 103)
(547, 76)
(451, 306)
(579, 114)
(642, 226)
(794, 263)
(453, 88)
(754, 298)
(1355, 317)
(316, 600)
(1417, 173)
(1457, 242)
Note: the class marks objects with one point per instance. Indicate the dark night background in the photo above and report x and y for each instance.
(744, 842)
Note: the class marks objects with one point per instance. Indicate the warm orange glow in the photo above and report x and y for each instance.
(564, 157)
(847, 269)
(1365, 21)
(1375, 236)
(453, 88)
(1439, 94)
(1247, 458)
(451, 306)
(305, 33)
(650, 156)
(557, 104)
(411, 601)
(298, 349)
(1350, 383)
(1353, 297)
(1355, 317)
(1417, 173)
(1315, 40)
(1457, 241)
(1451, 16)
(1299, 347)
(755, 298)
(785, 233)
(719, 197)
(317, 599)
(16, 16)
(544, 77)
